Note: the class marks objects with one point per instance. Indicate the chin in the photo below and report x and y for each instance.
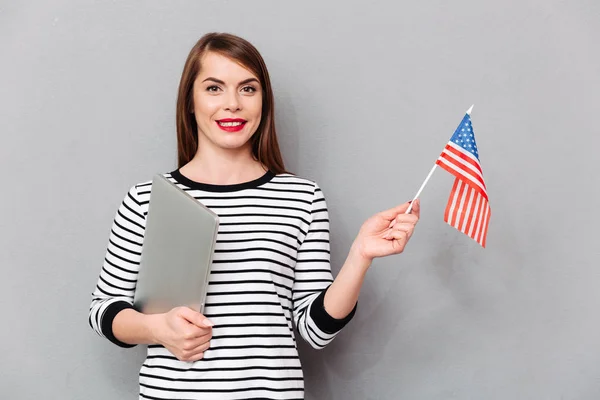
(234, 144)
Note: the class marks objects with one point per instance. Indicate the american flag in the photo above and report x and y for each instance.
(468, 209)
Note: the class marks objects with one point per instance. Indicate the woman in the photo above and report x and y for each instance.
(271, 267)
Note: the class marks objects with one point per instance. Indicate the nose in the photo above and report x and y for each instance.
(232, 102)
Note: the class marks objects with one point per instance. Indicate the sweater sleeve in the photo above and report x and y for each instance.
(116, 284)
(312, 279)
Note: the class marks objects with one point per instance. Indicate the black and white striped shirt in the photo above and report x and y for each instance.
(270, 273)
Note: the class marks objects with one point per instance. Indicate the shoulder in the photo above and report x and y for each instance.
(140, 192)
(292, 180)
(299, 186)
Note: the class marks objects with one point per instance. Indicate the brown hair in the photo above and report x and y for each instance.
(265, 147)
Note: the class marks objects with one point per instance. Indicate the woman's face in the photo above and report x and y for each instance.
(227, 103)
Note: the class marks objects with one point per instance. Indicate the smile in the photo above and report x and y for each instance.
(231, 125)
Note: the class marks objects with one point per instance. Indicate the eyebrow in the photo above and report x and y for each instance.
(223, 83)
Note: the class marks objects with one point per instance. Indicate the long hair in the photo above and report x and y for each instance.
(265, 147)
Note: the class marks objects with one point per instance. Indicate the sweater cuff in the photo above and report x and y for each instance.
(107, 321)
(323, 320)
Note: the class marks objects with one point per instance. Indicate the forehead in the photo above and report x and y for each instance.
(218, 66)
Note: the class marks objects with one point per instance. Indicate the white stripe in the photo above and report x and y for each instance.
(475, 211)
(463, 162)
(485, 223)
(451, 214)
(460, 208)
(471, 194)
(480, 219)
(464, 173)
(468, 154)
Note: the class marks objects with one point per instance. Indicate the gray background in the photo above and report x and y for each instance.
(366, 95)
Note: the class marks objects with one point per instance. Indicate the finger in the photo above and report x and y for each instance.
(194, 343)
(397, 235)
(416, 208)
(393, 212)
(197, 353)
(195, 318)
(405, 218)
(403, 227)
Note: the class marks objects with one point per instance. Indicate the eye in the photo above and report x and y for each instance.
(213, 88)
(249, 89)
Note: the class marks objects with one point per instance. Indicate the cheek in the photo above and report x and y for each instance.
(205, 107)
(256, 107)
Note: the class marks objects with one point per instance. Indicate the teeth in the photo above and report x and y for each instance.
(230, 123)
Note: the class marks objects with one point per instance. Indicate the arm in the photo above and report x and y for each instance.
(116, 284)
(383, 234)
(313, 278)
(182, 331)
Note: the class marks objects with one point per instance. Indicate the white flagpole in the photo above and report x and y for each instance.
(429, 175)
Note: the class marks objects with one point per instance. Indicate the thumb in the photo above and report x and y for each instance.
(195, 318)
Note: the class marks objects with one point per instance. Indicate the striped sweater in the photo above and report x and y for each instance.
(269, 275)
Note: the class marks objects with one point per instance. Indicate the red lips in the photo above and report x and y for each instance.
(231, 124)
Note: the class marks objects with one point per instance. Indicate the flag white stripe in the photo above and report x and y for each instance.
(453, 206)
(471, 156)
(485, 223)
(475, 215)
(480, 220)
(471, 194)
(470, 177)
(462, 162)
(460, 211)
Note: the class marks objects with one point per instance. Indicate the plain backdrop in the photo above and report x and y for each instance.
(367, 94)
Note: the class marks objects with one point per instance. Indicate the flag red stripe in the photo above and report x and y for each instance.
(461, 167)
(474, 215)
(488, 213)
(468, 160)
(469, 202)
(461, 206)
(449, 204)
(480, 220)
(463, 178)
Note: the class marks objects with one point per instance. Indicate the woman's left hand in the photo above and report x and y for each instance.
(387, 232)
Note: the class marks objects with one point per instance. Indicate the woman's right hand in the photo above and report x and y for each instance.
(184, 332)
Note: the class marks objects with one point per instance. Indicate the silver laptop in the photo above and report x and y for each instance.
(177, 252)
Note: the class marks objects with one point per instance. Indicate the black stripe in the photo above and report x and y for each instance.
(286, 287)
(254, 388)
(127, 229)
(122, 258)
(113, 286)
(252, 260)
(125, 239)
(249, 303)
(243, 336)
(203, 198)
(256, 249)
(131, 209)
(244, 379)
(268, 368)
(121, 268)
(258, 240)
(124, 248)
(285, 190)
(118, 277)
(130, 220)
(242, 314)
(248, 292)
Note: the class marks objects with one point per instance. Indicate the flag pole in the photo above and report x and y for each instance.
(408, 210)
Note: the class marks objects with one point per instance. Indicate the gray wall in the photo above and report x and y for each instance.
(367, 95)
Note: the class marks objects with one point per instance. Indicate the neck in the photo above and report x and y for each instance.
(223, 167)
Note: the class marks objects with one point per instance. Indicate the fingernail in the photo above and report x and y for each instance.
(207, 322)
